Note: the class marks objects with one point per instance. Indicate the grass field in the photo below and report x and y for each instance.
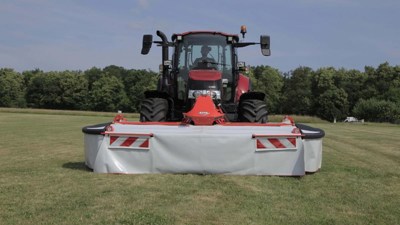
(43, 180)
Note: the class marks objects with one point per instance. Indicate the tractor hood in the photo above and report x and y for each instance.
(205, 82)
(205, 75)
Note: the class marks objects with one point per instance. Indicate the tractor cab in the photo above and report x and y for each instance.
(202, 63)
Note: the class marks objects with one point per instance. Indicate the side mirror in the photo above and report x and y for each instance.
(146, 45)
(265, 45)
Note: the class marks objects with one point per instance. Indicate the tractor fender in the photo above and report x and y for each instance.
(242, 87)
(252, 95)
(156, 94)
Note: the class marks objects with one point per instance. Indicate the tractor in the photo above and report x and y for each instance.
(203, 63)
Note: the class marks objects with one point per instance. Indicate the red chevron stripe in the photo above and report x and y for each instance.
(293, 141)
(275, 142)
(259, 144)
(129, 141)
(113, 139)
(145, 144)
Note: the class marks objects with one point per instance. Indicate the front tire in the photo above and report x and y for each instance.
(154, 110)
(253, 110)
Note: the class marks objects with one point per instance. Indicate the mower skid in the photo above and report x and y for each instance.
(137, 148)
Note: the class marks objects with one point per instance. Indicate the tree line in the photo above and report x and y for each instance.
(110, 89)
(372, 94)
(329, 93)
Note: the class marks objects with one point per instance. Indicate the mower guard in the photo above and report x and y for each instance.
(229, 148)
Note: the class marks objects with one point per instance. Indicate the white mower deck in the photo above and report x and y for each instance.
(230, 148)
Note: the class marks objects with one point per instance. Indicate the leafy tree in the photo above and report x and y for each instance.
(73, 88)
(269, 81)
(12, 91)
(329, 101)
(369, 88)
(352, 82)
(382, 83)
(297, 98)
(57, 90)
(27, 75)
(136, 83)
(93, 74)
(332, 104)
(117, 71)
(322, 80)
(108, 94)
(376, 110)
(393, 92)
(383, 77)
(43, 91)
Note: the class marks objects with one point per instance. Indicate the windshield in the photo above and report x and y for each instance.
(202, 51)
(208, 48)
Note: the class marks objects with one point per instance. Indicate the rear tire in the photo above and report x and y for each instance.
(154, 110)
(253, 110)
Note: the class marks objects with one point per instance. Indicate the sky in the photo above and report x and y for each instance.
(81, 34)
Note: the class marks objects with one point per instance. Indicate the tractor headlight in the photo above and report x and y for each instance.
(193, 94)
(196, 94)
(213, 94)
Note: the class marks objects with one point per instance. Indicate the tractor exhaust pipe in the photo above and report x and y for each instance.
(164, 45)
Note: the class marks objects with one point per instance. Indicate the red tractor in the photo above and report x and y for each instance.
(203, 63)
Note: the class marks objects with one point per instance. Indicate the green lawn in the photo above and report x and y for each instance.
(43, 180)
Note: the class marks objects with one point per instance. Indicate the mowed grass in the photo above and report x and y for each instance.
(43, 180)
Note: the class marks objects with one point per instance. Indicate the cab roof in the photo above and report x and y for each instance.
(235, 36)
